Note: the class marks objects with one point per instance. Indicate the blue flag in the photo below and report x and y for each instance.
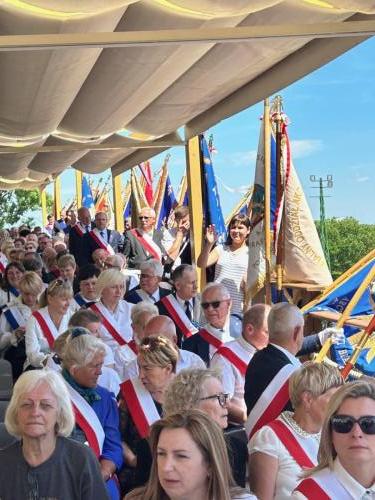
(87, 199)
(212, 207)
(128, 208)
(168, 204)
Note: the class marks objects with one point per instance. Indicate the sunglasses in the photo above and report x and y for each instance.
(221, 397)
(345, 423)
(215, 304)
(55, 284)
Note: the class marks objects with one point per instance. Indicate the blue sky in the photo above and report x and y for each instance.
(332, 131)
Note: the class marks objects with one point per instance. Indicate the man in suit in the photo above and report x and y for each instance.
(216, 304)
(101, 237)
(76, 234)
(143, 242)
(183, 305)
(148, 288)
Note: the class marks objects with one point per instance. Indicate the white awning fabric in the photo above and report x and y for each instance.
(58, 105)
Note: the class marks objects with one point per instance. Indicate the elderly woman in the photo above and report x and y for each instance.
(346, 458)
(189, 461)
(115, 329)
(203, 390)
(95, 407)
(14, 318)
(280, 450)
(10, 283)
(142, 402)
(44, 463)
(48, 323)
(231, 259)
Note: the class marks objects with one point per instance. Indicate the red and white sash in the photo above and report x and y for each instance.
(88, 421)
(111, 327)
(140, 405)
(271, 402)
(47, 326)
(236, 355)
(323, 485)
(210, 338)
(78, 229)
(96, 236)
(303, 451)
(178, 315)
(147, 244)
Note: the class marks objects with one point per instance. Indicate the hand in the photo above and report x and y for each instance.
(19, 332)
(335, 334)
(211, 234)
(184, 227)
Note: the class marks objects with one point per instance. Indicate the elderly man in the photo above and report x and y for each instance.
(143, 242)
(183, 305)
(148, 289)
(101, 237)
(216, 304)
(76, 234)
(162, 325)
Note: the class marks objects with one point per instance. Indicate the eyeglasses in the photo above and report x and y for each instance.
(345, 423)
(215, 304)
(221, 397)
(147, 276)
(141, 217)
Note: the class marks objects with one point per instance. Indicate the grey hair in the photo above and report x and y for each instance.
(27, 382)
(154, 265)
(224, 292)
(282, 320)
(109, 277)
(81, 350)
(139, 309)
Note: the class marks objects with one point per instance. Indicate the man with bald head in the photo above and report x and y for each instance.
(76, 235)
(143, 242)
(162, 325)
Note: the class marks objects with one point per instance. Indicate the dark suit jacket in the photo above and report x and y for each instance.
(76, 247)
(90, 245)
(135, 252)
(133, 297)
(199, 346)
(263, 367)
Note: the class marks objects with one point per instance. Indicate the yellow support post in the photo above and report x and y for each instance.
(118, 203)
(57, 196)
(194, 180)
(43, 202)
(79, 188)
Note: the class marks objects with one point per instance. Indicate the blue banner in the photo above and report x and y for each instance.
(87, 199)
(168, 204)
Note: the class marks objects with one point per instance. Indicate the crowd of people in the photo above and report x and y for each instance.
(128, 383)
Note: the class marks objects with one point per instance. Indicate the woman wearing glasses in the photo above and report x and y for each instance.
(47, 323)
(203, 390)
(231, 259)
(346, 459)
(280, 450)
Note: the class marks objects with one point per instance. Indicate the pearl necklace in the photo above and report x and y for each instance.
(287, 416)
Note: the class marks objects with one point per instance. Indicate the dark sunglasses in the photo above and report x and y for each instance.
(215, 304)
(221, 397)
(345, 423)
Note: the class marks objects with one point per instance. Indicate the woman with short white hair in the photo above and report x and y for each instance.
(115, 329)
(280, 450)
(96, 408)
(44, 463)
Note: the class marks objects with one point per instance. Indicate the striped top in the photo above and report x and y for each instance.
(231, 270)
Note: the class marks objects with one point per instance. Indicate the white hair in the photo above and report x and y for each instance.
(141, 308)
(224, 292)
(282, 321)
(81, 350)
(109, 277)
(153, 265)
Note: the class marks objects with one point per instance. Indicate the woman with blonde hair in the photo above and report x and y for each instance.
(280, 450)
(189, 461)
(44, 463)
(48, 323)
(346, 458)
(115, 329)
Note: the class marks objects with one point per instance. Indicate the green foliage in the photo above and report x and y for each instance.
(348, 242)
(17, 205)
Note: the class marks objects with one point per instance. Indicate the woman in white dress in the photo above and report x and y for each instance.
(48, 323)
(346, 468)
(280, 450)
(231, 259)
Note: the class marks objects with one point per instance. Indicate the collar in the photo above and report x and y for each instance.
(219, 333)
(289, 355)
(355, 489)
(182, 302)
(246, 345)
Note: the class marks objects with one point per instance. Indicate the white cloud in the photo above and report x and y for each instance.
(243, 158)
(305, 147)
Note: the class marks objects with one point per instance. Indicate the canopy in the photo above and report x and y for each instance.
(100, 84)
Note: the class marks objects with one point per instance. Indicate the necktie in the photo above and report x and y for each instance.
(102, 234)
(87, 228)
(187, 309)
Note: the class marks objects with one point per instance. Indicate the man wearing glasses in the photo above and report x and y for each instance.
(143, 242)
(216, 304)
(149, 280)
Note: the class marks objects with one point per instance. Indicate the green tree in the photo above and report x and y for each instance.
(348, 241)
(16, 206)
